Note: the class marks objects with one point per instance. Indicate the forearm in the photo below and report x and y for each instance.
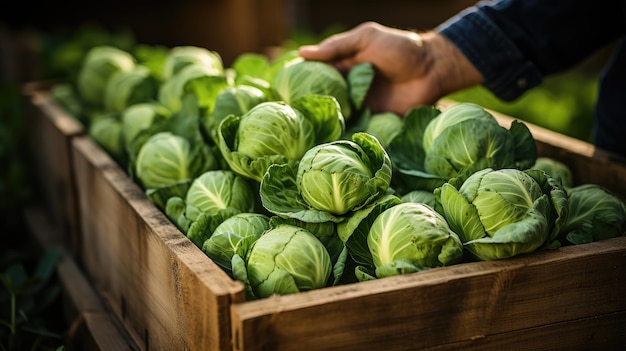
(514, 44)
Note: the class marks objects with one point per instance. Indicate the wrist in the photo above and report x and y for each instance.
(451, 70)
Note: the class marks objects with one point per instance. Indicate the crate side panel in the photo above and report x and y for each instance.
(50, 130)
(444, 305)
(168, 293)
(604, 332)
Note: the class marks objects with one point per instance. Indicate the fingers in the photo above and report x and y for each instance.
(340, 46)
(331, 49)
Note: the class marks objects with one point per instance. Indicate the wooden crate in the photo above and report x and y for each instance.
(169, 295)
(50, 131)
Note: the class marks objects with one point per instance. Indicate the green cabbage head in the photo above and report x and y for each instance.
(222, 244)
(99, 65)
(503, 213)
(595, 213)
(340, 176)
(411, 237)
(330, 182)
(217, 191)
(274, 132)
(286, 259)
(466, 137)
(180, 57)
(299, 77)
(166, 159)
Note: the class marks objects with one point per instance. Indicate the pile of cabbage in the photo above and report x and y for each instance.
(280, 174)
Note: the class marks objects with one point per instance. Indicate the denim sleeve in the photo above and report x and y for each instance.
(515, 43)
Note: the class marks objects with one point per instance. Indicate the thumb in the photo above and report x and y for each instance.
(313, 52)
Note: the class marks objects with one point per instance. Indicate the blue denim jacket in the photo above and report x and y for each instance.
(515, 43)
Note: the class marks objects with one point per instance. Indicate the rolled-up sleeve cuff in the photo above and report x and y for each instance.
(505, 70)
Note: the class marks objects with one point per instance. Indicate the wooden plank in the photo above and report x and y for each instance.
(166, 291)
(50, 130)
(605, 332)
(442, 305)
(92, 326)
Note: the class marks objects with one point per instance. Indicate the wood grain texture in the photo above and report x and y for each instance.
(50, 130)
(167, 292)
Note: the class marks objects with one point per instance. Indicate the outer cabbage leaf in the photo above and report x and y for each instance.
(360, 78)
(558, 212)
(420, 196)
(384, 126)
(407, 153)
(324, 113)
(251, 65)
(556, 169)
(160, 196)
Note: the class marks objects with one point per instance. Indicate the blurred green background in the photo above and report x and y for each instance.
(35, 46)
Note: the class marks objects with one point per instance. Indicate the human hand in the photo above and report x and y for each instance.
(411, 69)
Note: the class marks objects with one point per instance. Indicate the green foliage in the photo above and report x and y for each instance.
(26, 299)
